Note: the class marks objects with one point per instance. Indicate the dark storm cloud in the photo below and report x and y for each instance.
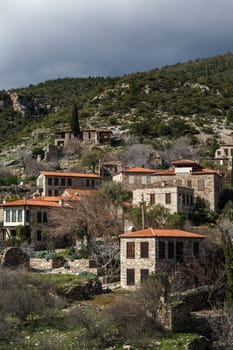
(46, 39)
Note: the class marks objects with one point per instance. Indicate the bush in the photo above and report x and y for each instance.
(51, 256)
(39, 254)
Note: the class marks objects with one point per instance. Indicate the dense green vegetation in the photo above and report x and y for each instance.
(178, 100)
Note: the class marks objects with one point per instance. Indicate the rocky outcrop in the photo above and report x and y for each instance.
(28, 105)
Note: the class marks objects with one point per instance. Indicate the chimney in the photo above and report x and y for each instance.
(61, 202)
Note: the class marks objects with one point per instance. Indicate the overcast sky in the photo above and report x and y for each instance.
(47, 39)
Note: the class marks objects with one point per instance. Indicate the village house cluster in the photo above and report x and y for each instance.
(142, 252)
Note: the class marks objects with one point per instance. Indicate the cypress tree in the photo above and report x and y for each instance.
(74, 123)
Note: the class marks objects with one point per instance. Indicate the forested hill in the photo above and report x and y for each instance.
(190, 98)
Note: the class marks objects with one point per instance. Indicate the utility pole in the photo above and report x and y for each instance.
(143, 213)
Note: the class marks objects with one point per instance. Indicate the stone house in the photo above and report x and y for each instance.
(110, 168)
(155, 250)
(34, 215)
(223, 155)
(63, 138)
(90, 136)
(99, 136)
(134, 178)
(206, 183)
(50, 183)
(174, 198)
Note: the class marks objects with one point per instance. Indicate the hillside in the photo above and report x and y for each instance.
(193, 98)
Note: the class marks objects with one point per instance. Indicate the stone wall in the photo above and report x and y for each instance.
(75, 266)
(137, 263)
(210, 192)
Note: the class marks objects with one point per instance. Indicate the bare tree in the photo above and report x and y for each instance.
(182, 149)
(140, 155)
(90, 219)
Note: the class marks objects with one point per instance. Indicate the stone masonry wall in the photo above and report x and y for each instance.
(138, 263)
(210, 192)
(75, 266)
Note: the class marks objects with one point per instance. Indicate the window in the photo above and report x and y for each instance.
(183, 199)
(45, 217)
(226, 151)
(56, 181)
(171, 250)
(196, 249)
(161, 250)
(69, 182)
(56, 193)
(152, 198)
(63, 181)
(39, 235)
(130, 250)
(87, 182)
(152, 179)
(13, 219)
(50, 192)
(50, 181)
(189, 183)
(93, 183)
(143, 180)
(27, 215)
(144, 274)
(20, 215)
(144, 250)
(168, 198)
(201, 185)
(39, 216)
(179, 251)
(8, 216)
(130, 277)
(131, 179)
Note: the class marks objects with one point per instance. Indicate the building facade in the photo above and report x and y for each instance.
(134, 178)
(98, 136)
(174, 198)
(206, 183)
(51, 183)
(223, 155)
(155, 250)
(34, 216)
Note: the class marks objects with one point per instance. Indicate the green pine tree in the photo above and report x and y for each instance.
(74, 123)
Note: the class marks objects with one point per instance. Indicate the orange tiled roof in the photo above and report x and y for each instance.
(154, 232)
(48, 198)
(139, 170)
(55, 173)
(186, 162)
(199, 171)
(33, 202)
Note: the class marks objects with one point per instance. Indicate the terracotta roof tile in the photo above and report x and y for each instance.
(185, 162)
(139, 170)
(154, 232)
(61, 174)
(33, 202)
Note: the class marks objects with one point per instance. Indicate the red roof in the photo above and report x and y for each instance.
(139, 170)
(61, 174)
(186, 162)
(154, 232)
(33, 202)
